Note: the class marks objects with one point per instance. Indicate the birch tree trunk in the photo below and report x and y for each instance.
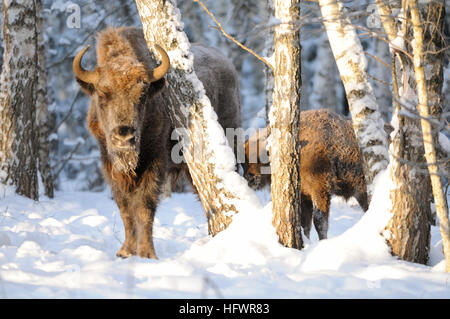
(205, 148)
(18, 153)
(408, 231)
(42, 116)
(409, 228)
(425, 111)
(351, 63)
(284, 143)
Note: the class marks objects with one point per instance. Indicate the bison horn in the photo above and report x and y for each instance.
(159, 72)
(84, 75)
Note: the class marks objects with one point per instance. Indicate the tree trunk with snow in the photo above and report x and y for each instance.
(351, 63)
(18, 152)
(429, 102)
(206, 151)
(409, 229)
(284, 142)
(42, 116)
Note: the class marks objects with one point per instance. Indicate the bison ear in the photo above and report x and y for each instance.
(155, 87)
(87, 88)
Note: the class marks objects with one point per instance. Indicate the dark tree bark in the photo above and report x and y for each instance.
(285, 125)
(43, 122)
(409, 228)
(429, 90)
(18, 152)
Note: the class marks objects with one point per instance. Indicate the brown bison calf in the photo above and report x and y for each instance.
(330, 164)
(128, 116)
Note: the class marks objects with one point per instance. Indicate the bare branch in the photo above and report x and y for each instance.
(232, 38)
(55, 177)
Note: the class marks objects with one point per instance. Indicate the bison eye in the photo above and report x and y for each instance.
(104, 95)
(103, 92)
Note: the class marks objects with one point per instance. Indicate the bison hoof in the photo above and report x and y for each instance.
(124, 252)
(147, 254)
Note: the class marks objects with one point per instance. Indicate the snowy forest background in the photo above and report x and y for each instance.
(74, 154)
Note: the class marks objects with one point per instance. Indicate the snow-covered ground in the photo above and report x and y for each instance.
(65, 248)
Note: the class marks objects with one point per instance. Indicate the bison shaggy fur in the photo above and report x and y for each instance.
(330, 164)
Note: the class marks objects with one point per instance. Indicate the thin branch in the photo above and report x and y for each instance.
(376, 35)
(378, 80)
(68, 112)
(232, 38)
(434, 52)
(55, 177)
(377, 58)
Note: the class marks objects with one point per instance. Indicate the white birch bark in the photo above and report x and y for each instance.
(222, 191)
(351, 63)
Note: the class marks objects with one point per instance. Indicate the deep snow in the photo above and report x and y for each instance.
(65, 248)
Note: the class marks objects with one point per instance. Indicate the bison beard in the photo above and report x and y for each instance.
(128, 117)
(125, 162)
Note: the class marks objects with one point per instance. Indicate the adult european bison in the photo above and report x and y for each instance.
(330, 164)
(128, 116)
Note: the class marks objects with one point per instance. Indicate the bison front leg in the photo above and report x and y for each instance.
(129, 245)
(145, 215)
(321, 209)
(321, 223)
(306, 214)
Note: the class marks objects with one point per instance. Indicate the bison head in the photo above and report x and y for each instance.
(120, 89)
(255, 152)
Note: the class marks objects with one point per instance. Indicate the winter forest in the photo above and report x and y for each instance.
(224, 149)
